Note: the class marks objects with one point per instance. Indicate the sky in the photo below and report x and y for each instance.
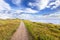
(34, 10)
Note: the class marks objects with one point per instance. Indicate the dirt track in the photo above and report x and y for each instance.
(21, 33)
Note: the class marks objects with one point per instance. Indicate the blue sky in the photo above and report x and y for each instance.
(30, 9)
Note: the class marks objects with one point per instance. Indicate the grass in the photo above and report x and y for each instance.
(37, 31)
(7, 28)
(43, 31)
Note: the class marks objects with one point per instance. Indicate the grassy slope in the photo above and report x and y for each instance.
(7, 28)
(43, 31)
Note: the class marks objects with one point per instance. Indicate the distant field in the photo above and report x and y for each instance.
(7, 28)
(43, 31)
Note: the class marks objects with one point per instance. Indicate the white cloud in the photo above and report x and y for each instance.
(4, 5)
(27, 10)
(52, 16)
(5, 16)
(32, 4)
(18, 11)
(56, 3)
(16, 2)
(25, 16)
(40, 4)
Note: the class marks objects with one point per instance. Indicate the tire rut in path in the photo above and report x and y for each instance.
(21, 33)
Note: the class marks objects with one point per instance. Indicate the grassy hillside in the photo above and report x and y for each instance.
(7, 28)
(43, 31)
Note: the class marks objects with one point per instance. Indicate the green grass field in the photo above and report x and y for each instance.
(43, 31)
(7, 28)
(37, 31)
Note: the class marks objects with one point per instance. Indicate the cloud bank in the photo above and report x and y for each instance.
(7, 12)
(42, 4)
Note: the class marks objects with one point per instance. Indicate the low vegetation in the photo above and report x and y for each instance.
(43, 31)
(7, 28)
(37, 31)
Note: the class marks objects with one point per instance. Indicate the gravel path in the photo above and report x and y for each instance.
(21, 33)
